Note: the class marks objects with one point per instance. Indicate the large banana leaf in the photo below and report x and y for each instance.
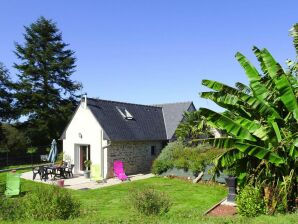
(243, 88)
(272, 66)
(225, 123)
(259, 152)
(246, 148)
(227, 101)
(287, 95)
(282, 84)
(276, 129)
(228, 158)
(294, 149)
(269, 84)
(253, 127)
(258, 54)
(293, 152)
(259, 106)
(220, 143)
(222, 98)
(253, 76)
(267, 80)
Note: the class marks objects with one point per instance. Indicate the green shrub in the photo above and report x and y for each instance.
(50, 203)
(175, 154)
(181, 163)
(169, 151)
(60, 158)
(44, 203)
(10, 208)
(2, 188)
(250, 202)
(165, 158)
(160, 166)
(150, 202)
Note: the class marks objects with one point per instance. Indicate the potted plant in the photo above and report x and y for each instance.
(87, 164)
(231, 182)
(59, 161)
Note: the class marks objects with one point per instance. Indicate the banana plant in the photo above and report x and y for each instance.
(193, 126)
(261, 120)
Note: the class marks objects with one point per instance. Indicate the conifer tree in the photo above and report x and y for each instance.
(6, 98)
(45, 92)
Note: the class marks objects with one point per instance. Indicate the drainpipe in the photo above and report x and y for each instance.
(102, 153)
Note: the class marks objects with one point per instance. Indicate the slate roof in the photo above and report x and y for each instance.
(150, 122)
(173, 115)
(147, 122)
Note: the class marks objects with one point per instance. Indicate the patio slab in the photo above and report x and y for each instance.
(79, 182)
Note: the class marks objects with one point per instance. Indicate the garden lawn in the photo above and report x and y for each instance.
(190, 201)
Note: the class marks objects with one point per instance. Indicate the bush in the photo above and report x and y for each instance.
(2, 188)
(44, 203)
(175, 154)
(11, 208)
(50, 203)
(160, 166)
(165, 158)
(169, 151)
(250, 202)
(181, 163)
(59, 160)
(150, 202)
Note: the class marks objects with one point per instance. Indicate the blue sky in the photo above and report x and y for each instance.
(159, 50)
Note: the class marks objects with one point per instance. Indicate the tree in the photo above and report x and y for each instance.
(12, 141)
(45, 93)
(6, 98)
(262, 123)
(2, 135)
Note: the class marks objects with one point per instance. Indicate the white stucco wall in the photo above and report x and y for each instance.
(85, 123)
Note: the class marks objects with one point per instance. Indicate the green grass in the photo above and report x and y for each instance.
(190, 201)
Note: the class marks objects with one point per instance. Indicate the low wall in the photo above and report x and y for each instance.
(187, 174)
(179, 173)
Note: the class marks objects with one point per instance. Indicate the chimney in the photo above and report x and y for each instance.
(84, 100)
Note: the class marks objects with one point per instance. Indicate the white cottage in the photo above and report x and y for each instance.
(104, 131)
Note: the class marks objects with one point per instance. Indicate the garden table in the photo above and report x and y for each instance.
(57, 171)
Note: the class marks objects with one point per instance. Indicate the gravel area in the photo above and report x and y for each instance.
(223, 210)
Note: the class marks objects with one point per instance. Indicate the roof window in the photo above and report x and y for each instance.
(124, 113)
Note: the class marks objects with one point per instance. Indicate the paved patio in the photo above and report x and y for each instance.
(79, 182)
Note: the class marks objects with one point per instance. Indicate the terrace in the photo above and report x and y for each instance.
(79, 182)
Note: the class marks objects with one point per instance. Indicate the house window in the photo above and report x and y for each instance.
(153, 151)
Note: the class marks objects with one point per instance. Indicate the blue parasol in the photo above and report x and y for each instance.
(53, 153)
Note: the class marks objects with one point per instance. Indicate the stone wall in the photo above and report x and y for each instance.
(136, 156)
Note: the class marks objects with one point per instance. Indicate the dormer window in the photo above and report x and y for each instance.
(125, 113)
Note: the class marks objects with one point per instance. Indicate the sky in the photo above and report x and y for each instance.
(155, 51)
